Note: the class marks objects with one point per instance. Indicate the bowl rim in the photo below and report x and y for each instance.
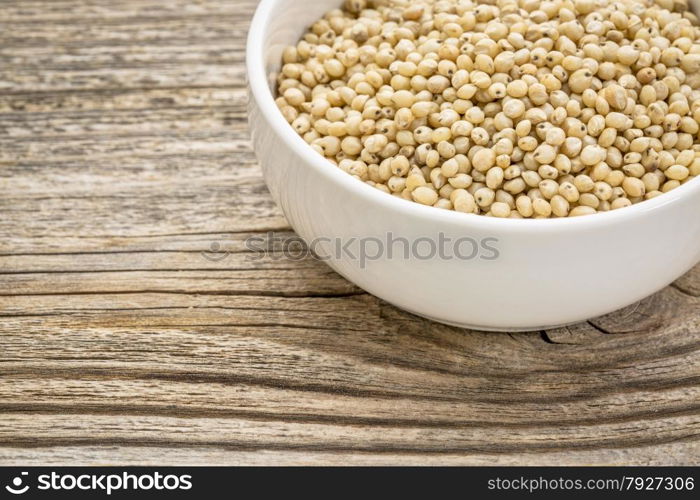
(264, 98)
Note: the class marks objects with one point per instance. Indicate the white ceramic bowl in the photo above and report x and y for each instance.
(548, 272)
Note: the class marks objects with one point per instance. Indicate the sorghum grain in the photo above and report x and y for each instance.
(505, 108)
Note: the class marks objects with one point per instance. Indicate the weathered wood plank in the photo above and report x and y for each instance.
(690, 283)
(660, 454)
(388, 350)
(51, 393)
(136, 326)
(149, 430)
(121, 99)
(107, 11)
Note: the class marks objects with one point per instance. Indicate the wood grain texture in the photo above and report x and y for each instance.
(124, 159)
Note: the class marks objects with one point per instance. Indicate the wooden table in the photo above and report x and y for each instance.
(124, 156)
